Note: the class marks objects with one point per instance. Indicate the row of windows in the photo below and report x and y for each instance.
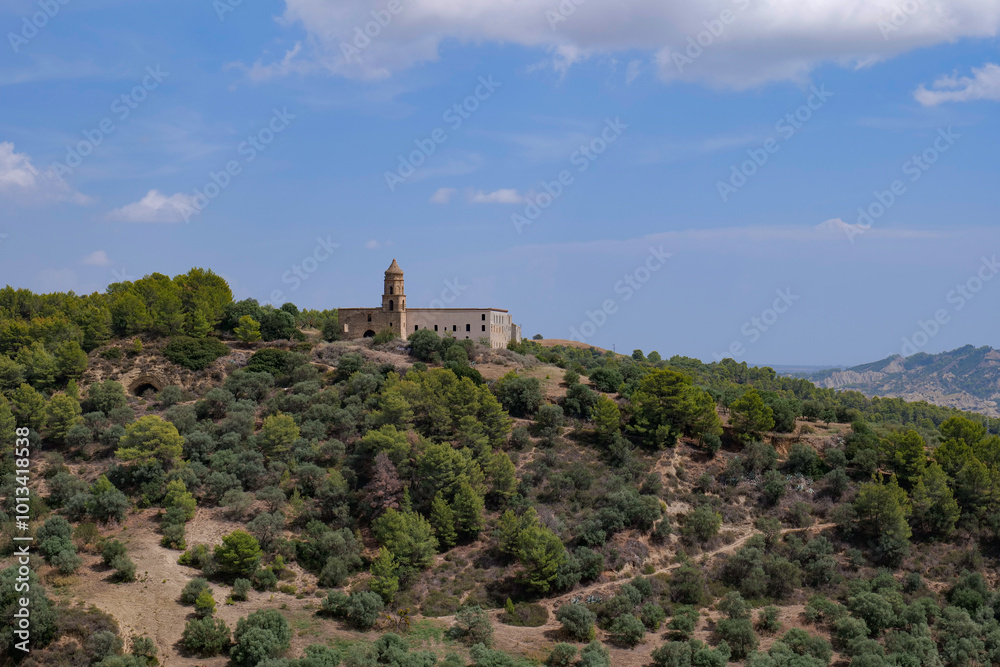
(454, 327)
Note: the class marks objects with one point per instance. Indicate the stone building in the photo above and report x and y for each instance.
(492, 326)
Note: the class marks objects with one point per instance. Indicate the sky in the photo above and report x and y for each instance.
(774, 182)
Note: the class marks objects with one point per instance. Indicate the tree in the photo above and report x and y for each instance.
(277, 434)
(71, 360)
(204, 605)
(606, 380)
(442, 519)
(667, 404)
(577, 620)
(385, 579)
(408, 536)
(607, 419)
(468, 506)
(627, 630)
(750, 416)
(248, 329)
(29, 406)
(239, 554)
(702, 524)
(261, 635)
(909, 457)
(62, 414)
(520, 396)
(874, 610)
(8, 423)
(935, 510)
(542, 555)
(178, 496)
(739, 634)
(106, 397)
(151, 438)
(881, 511)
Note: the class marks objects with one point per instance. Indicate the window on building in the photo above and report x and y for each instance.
(435, 327)
(369, 318)
(454, 327)
(391, 288)
(484, 327)
(416, 327)
(468, 327)
(392, 306)
(484, 317)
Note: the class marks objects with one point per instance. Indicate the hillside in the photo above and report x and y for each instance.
(967, 378)
(224, 499)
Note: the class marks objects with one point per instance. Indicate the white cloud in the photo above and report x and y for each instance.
(97, 258)
(156, 207)
(742, 55)
(984, 84)
(22, 182)
(502, 196)
(372, 245)
(443, 195)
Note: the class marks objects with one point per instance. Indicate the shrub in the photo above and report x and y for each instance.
(526, 615)
(240, 589)
(102, 644)
(702, 524)
(264, 579)
(606, 379)
(363, 609)
(144, 647)
(739, 634)
(684, 621)
(627, 630)
(205, 636)
(562, 655)
(192, 589)
(594, 655)
(124, 569)
(687, 585)
(110, 549)
(673, 654)
(261, 635)
(66, 561)
(652, 616)
(195, 354)
(577, 620)
(473, 626)
(204, 605)
(767, 619)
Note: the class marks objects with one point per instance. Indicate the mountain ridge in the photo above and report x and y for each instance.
(967, 378)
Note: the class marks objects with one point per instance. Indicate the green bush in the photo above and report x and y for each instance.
(261, 635)
(472, 625)
(577, 620)
(240, 589)
(562, 655)
(195, 354)
(627, 630)
(527, 615)
(124, 569)
(205, 637)
(192, 589)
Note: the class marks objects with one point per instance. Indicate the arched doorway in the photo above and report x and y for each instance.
(145, 383)
(369, 334)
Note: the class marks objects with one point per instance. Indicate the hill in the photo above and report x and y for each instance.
(967, 378)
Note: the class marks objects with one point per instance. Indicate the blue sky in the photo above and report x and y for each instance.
(604, 96)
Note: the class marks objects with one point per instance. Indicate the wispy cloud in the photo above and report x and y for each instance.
(984, 84)
(155, 207)
(443, 195)
(97, 258)
(502, 196)
(22, 182)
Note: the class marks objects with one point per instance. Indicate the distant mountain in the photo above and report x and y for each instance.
(967, 378)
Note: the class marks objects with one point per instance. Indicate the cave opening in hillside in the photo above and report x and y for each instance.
(145, 390)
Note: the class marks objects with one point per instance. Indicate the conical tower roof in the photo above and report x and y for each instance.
(394, 269)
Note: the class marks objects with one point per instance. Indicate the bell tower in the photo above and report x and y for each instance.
(393, 296)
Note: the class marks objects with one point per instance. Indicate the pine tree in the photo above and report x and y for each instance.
(385, 579)
(468, 507)
(443, 520)
(935, 510)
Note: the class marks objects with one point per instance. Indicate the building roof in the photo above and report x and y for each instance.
(394, 269)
